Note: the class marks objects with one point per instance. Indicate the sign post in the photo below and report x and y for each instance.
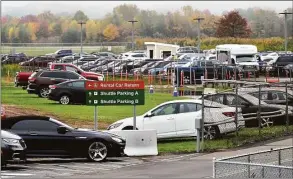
(114, 93)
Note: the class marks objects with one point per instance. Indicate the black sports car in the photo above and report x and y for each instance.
(47, 137)
(12, 147)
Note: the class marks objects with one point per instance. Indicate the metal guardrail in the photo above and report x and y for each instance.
(277, 163)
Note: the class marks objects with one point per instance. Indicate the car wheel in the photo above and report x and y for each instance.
(267, 122)
(97, 151)
(64, 99)
(44, 92)
(211, 132)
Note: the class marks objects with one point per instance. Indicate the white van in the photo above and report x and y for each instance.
(238, 54)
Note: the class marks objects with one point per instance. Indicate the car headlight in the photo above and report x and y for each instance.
(10, 141)
(113, 126)
(117, 139)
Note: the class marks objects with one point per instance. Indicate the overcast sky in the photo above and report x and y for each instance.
(100, 8)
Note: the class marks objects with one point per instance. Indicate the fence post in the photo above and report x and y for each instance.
(248, 166)
(279, 162)
(287, 115)
(278, 74)
(236, 115)
(259, 110)
(202, 122)
(214, 167)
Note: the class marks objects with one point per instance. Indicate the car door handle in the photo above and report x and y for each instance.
(170, 119)
(33, 134)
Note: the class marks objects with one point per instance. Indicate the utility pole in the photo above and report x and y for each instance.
(286, 34)
(199, 19)
(132, 33)
(81, 23)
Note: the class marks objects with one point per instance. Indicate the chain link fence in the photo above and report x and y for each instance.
(277, 163)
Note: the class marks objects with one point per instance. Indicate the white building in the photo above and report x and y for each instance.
(160, 50)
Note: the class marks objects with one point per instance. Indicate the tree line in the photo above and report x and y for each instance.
(50, 28)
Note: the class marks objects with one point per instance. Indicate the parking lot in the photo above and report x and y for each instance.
(55, 167)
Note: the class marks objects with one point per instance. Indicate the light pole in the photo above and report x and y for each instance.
(81, 23)
(132, 45)
(198, 30)
(286, 38)
(132, 34)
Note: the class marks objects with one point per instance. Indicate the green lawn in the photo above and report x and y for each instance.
(73, 113)
(247, 136)
(107, 114)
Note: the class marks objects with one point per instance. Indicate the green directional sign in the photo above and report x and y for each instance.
(106, 93)
(117, 97)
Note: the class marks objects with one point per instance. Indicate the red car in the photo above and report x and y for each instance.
(3, 114)
(21, 78)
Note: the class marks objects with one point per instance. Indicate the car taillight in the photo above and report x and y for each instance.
(52, 86)
(31, 79)
(229, 114)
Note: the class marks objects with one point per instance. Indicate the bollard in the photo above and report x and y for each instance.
(175, 92)
(168, 77)
(182, 76)
(160, 78)
(137, 77)
(107, 76)
(149, 77)
(151, 89)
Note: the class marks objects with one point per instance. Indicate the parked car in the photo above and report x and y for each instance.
(21, 78)
(277, 67)
(71, 67)
(60, 53)
(40, 81)
(250, 105)
(13, 147)
(109, 55)
(48, 137)
(68, 92)
(3, 113)
(177, 119)
(270, 95)
(39, 61)
(95, 64)
(14, 58)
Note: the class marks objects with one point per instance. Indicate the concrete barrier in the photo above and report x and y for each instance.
(139, 142)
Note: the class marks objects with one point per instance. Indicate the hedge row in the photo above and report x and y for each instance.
(263, 44)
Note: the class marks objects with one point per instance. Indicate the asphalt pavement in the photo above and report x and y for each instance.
(171, 166)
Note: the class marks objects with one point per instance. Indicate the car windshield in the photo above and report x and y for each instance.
(245, 58)
(61, 124)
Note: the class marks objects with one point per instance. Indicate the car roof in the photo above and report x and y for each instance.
(197, 101)
(9, 121)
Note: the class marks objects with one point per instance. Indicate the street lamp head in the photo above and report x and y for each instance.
(132, 21)
(81, 22)
(198, 19)
(285, 12)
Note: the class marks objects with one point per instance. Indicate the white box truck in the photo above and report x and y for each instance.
(240, 55)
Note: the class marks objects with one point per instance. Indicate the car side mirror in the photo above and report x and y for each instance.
(149, 115)
(62, 130)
